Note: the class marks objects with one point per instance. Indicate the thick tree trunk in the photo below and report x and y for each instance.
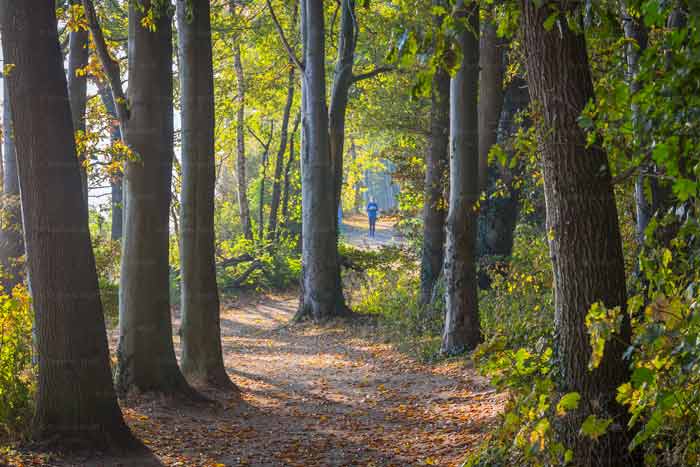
(462, 329)
(202, 360)
(243, 205)
(77, 88)
(436, 179)
(146, 356)
(75, 399)
(279, 163)
(583, 228)
(116, 181)
(322, 296)
(11, 237)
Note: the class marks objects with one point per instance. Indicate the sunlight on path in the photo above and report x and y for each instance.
(315, 396)
(355, 231)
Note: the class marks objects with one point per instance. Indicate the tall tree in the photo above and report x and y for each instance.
(322, 295)
(583, 229)
(490, 95)
(436, 167)
(75, 400)
(243, 205)
(202, 360)
(146, 355)
(117, 179)
(279, 162)
(77, 85)
(499, 214)
(462, 330)
(11, 238)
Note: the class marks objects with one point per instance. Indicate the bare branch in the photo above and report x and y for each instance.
(283, 38)
(371, 74)
(109, 65)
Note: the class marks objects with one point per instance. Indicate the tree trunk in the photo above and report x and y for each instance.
(321, 296)
(462, 329)
(498, 216)
(77, 89)
(342, 80)
(583, 229)
(436, 167)
(288, 173)
(490, 95)
(240, 145)
(11, 237)
(279, 163)
(75, 399)
(116, 180)
(202, 360)
(146, 356)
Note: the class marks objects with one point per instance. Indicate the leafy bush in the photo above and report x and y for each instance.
(107, 257)
(385, 284)
(16, 369)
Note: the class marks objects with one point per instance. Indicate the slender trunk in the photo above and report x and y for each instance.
(490, 96)
(240, 145)
(116, 180)
(202, 360)
(322, 296)
(261, 194)
(146, 358)
(498, 217)
(75, 399)
(279, 163)
(77, 89)
(462, 330)
(436, 167)
(342, 80)
(11, 237)
(288, 173)
(583, 230)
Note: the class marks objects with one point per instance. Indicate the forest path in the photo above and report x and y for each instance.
(355, 231)
(332, 395)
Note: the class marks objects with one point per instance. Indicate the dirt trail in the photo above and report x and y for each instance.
(315, 396)
(355, 231)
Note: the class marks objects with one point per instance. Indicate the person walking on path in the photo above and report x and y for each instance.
(372, 211)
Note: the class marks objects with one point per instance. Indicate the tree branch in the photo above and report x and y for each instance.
(371, 74)
(285, 42)
(109, 65)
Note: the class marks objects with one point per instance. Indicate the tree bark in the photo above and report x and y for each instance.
(342, 81)
(490, 95)
(243, 205)
(583, 229)
(146, 358)
(279, 163)
(462, 329)
(321, 296)
(288, 173)
(117, 179)
(75, 399)
(202, 361)
(499, 214)
(11, 236)
(436, 174)
(77, 89)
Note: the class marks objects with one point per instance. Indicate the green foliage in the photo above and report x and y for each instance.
(519, 308)
(16, 368)
(387, 287)
(663, 393)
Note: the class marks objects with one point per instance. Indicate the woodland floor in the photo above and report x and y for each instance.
(332, 395)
